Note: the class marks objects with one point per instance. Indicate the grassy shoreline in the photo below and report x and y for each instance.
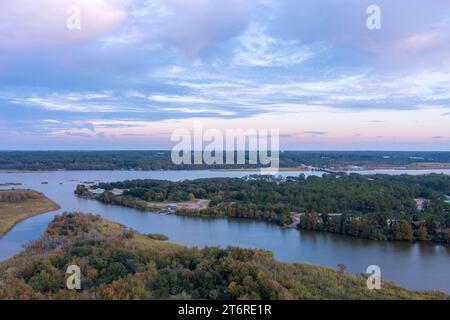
(119, 263)
(31, 204)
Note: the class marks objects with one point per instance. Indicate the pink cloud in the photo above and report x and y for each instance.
(26, 23)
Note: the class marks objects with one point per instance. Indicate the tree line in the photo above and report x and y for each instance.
(161, 160)
(379, 207)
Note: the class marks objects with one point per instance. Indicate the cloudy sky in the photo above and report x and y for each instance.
(139, 69)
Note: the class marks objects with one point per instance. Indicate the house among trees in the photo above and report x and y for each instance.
(171, 208)
(353, 218)
(391, 222)
(421, 203)
(417, 224)
(117, 192)
(334, 215)
(98, 191)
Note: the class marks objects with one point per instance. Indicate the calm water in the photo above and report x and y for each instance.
(420, 266)
(400, 171)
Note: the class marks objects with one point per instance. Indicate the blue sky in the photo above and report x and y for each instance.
(139, 69)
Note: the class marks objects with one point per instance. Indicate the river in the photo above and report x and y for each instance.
(417, 266)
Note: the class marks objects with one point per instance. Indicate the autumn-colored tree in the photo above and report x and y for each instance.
(422, 233)
(314, 220)
(403, 231)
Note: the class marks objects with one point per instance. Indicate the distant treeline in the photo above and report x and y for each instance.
(161, 160)
(379, 207)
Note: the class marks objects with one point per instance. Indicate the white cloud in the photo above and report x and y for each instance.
(179, 99)
(224, 113)
(261, 50)
(124, 37)
(58, 103)
(146, 19)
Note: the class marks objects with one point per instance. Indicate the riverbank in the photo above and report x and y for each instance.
(257, 170)
(200, 209)
(425, 271)
(376, 207)
(10, 184)
(350, 168)
(18, 205)
(303, 168)
(156, 269)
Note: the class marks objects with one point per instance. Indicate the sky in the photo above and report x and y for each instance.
(136, 70)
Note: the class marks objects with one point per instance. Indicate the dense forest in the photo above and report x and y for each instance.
(161, 160)
(378, 207)
(117, 263)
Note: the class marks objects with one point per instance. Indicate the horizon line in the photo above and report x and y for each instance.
(169, 150)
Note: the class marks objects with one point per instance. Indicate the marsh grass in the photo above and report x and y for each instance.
(18, 205)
